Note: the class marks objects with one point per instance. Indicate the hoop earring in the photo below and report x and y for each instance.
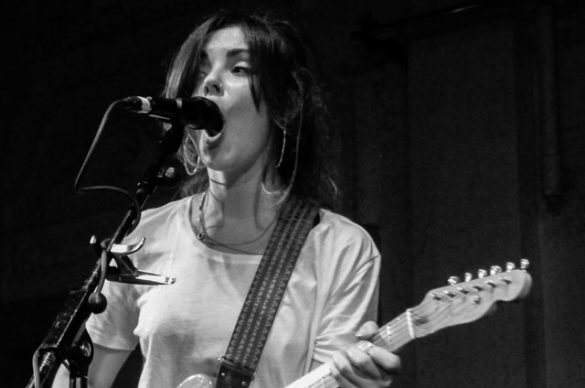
(279, 163)
(189, 168)
(192, 170)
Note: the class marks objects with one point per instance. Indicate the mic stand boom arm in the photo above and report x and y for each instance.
(67, 339)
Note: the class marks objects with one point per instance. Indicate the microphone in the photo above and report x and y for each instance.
(198, 112)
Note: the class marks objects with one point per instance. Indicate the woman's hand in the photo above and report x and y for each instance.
(365, 365)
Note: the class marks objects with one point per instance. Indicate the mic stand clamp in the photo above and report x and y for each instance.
(124, 270)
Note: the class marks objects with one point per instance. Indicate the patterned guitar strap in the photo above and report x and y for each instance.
(237, 367)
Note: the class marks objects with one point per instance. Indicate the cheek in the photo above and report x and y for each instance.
(255, 133)
(246, 114)
(243, 101)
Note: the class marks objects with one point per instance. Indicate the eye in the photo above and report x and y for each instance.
(242, 70)
(199, 77)
(201, 74)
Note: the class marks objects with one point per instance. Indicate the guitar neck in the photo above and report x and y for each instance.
(392, 337)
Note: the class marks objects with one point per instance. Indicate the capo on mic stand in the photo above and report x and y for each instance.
(67, 341)
(124, 270)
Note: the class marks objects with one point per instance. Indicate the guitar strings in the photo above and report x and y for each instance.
(398, 329)
(395, 334)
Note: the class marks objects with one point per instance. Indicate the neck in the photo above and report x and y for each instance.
(239, 198)
(236, 214)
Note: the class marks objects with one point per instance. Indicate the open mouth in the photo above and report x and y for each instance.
(211, 141)
(204, 134)
(212, 138)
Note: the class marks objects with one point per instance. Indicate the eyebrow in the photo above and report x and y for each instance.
(237, 51)
(234, 52)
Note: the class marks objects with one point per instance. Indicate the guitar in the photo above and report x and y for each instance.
(455, 304)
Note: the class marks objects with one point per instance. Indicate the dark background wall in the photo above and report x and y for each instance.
(461, 134)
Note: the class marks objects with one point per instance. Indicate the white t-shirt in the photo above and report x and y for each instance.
(183, 328)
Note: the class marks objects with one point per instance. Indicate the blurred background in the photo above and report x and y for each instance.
(461, 137)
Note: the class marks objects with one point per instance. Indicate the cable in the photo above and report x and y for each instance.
(84, 166)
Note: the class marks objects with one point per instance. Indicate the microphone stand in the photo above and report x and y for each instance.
(67, 340)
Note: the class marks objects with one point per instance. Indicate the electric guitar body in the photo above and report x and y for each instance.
(198, 381)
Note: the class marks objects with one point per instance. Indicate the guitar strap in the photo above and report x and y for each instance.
(237, 367)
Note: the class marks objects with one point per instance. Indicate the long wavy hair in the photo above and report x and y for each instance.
(282, 78)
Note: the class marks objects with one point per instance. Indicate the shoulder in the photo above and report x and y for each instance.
(170, 208)
(337, 227)
(159, 228)
(155, 218)
(337, 238)
(341, 254)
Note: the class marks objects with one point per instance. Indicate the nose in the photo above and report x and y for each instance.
(212, 86)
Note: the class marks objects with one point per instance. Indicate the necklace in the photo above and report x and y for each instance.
(203, 236)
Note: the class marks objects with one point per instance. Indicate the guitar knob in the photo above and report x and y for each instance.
(510, 266)
(481, 273)
(453, 280)
(468, 276)
(524, 263)
(495, 269)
